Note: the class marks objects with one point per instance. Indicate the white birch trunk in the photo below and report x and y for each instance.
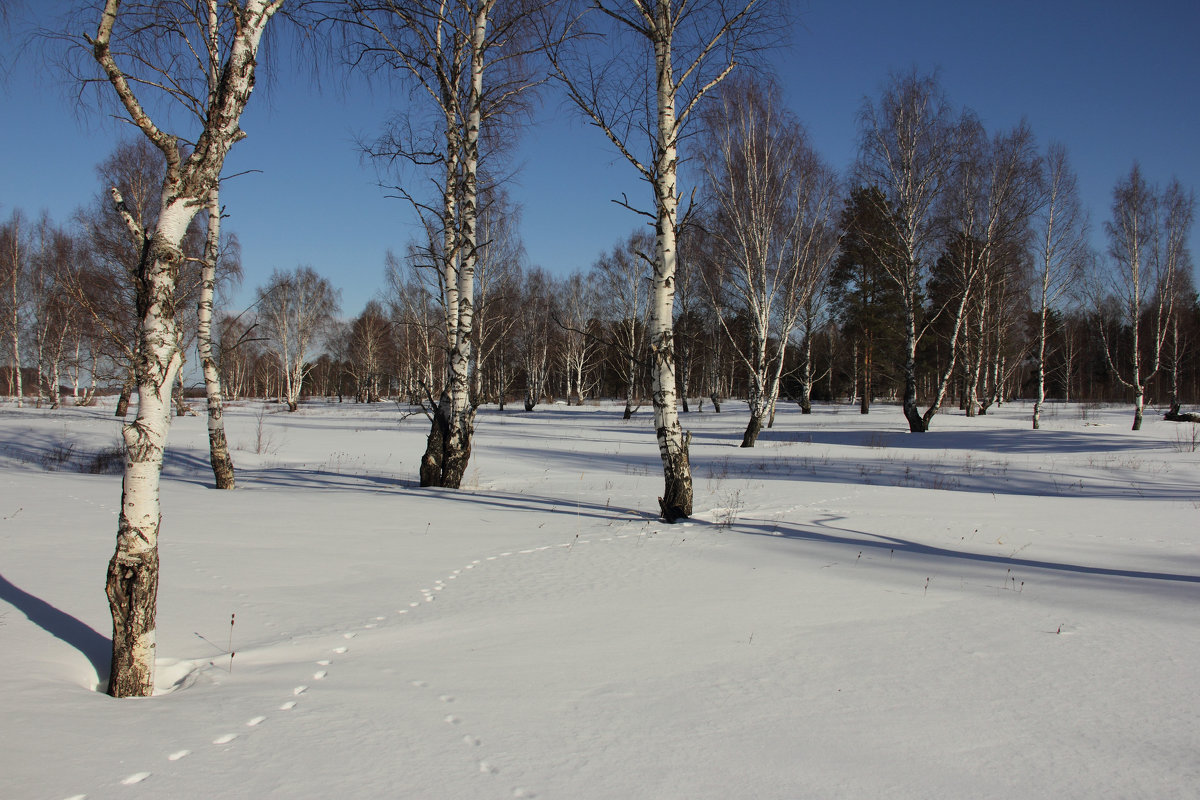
(15, 258)
(218, 446)
(448, 449)
(676, 502)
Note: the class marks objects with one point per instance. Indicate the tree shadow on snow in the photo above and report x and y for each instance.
(96, 647)
(862, 540)
(521, 503)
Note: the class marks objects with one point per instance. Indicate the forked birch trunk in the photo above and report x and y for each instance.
(448, 448)
(133, 571)
(218, 446)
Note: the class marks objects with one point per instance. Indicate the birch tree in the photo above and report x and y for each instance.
(218, 446)
(578, 309)
(53, 316)
(1147, 248)
(153, 54)
(907, 150)
(532, 334)
(14, 255)
(623, 276)
(468, 59)
(500, 255)
(663, 57)
(1060, 251)
(295, 310)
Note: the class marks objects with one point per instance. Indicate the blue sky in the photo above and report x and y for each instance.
(1114, 80)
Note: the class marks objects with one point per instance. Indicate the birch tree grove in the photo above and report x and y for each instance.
(993, 196)
(1147, 247)
(771, 201)
(146, 51)
(664, 57)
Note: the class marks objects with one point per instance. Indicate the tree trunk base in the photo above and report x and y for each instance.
(676, 502)
(132, 590)
(916, 423)
(448, 448)
(753, 428)
(1175, 415)
(218, 456)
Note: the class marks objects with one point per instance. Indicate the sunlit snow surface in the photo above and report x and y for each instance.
(854, 612)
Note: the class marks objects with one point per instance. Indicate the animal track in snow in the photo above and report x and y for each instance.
(319, 675)
(299, 690)
(451, 719)
(340, 650)
(420, 684)
(288, 706)
(488, 768)
(136, 777)
(255, 722)
(178, 754)
(225, 738)
(447, 698)
(349, 635)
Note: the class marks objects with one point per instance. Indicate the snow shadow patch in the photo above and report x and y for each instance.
(96, 647)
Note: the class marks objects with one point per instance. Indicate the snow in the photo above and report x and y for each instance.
(981, 611)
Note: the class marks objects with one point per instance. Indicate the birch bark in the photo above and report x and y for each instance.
(218, 446)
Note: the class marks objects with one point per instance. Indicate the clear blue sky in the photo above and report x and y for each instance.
(1115, 80)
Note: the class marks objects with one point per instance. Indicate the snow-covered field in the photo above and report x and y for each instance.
(983, 611)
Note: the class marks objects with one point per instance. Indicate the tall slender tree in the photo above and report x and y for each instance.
(14, 256)
(1061, 252)
(663, 57)
(218, 446)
